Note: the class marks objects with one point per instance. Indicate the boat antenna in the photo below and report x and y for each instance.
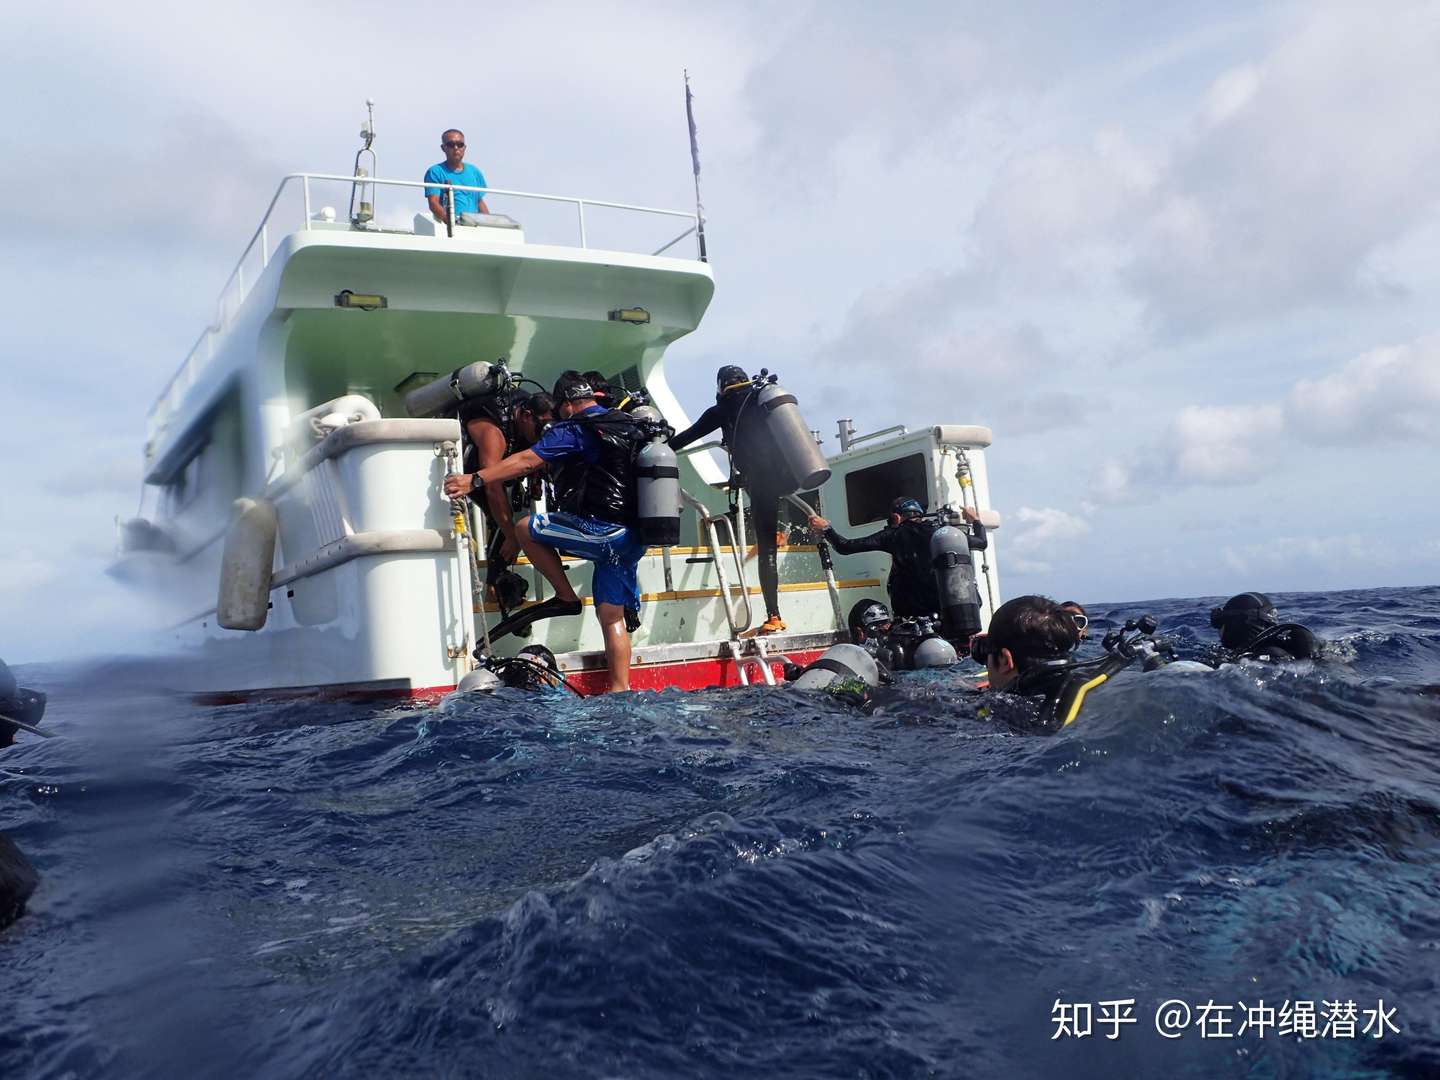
(362, 196)
(695, 163)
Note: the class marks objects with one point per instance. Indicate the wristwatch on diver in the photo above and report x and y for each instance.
(476, 483)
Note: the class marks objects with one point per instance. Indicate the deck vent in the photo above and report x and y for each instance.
(637, 315)
(364, 301)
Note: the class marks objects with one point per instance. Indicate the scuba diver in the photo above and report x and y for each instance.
(1082, 620)
(916, 585)
(1026, 651)
(1250, 628)
(620, 397)
(607, 510)
(899, 644)
(772, 455)
(497, 419)
(497, 426)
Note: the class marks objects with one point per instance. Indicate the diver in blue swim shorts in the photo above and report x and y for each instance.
(590, 451)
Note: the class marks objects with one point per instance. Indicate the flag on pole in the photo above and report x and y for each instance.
(695, 166)
(690, 119)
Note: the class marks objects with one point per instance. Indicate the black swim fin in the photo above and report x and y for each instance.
(521, 619)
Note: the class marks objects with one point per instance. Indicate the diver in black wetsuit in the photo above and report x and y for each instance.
(754, 459)
(498, 425)
(1250, 629)
(1026, 649)
(912, 586)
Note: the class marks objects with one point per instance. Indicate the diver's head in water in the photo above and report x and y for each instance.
(1243, 619)
(905, 509)
(1082, 620)
(869, 619)
(728, 378)
(1025, 633)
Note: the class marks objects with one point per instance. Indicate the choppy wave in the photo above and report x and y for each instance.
(743, 881)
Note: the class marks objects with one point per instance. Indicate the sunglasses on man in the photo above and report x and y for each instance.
(452, 144)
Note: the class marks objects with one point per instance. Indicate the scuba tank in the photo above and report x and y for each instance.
(792, 436)
(840, 663)
(933, 652)
(441, 396)
(657, 493)
(955, 579)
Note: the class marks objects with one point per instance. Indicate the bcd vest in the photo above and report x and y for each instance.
(606, 488)
(912, 586)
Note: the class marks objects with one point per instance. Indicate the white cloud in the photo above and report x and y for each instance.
(1039, 534)
(1306, 554)
(1385, 394)
(1294, 170)
(1221, 444)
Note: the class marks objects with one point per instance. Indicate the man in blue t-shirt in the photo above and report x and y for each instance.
(454, 170)
(591, 461)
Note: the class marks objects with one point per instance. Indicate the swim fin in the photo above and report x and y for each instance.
(521, 619)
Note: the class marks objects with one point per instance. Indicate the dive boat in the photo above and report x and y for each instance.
(294, 398)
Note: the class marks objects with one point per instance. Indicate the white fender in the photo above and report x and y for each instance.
(318, 422)
(246, 566)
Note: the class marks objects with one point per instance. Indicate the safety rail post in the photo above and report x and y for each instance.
(580, 206)
(822, 549)
(450, 453)
(712, 523)
(305, 183)
(265, 242)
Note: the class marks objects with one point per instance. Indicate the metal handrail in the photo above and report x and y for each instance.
(261, 235)
(711, 522)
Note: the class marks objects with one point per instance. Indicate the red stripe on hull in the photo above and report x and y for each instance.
(689, 675)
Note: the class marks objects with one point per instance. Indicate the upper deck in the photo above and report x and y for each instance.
(549, 289)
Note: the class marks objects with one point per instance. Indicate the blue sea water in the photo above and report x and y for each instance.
(748, 882)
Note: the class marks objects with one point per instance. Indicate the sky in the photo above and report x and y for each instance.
(1183, 259)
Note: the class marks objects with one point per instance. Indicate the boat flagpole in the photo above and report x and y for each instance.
(695, 164)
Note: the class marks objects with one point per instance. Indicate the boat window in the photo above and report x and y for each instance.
(870, 491)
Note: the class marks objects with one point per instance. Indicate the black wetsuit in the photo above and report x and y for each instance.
(1281, 642)
(500, 412)
(757, 464)
(912, 585)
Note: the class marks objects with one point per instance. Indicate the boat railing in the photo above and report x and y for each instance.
(256, 256)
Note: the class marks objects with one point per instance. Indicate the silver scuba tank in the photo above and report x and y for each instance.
(843, 661)
(445, 393)
(933, 652)
(955, 579)
(657, 494)
(802, 458)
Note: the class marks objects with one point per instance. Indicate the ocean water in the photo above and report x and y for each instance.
(748, 882)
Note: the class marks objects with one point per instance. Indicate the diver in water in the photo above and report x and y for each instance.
(1027, 652)
(1250, 629)
(1026, 649)
(755, 462)
(1082, 620)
